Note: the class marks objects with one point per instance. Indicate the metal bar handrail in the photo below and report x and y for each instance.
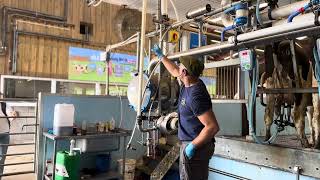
(15, 164)
(20, 144)
(17, 154)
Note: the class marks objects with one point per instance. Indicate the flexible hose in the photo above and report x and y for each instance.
(254, 84)
(225, 30)
(299, 11)
(136, 122)
(258, 14)
(175, 10)
(317, 67)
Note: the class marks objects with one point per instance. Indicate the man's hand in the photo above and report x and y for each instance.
(190, 150)
(157, 51)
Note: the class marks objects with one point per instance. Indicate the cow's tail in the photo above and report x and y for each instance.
(263, 78)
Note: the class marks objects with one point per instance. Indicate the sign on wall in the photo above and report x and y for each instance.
(90, 65)
(194, 40)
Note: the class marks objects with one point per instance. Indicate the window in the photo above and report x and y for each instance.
(86, 28)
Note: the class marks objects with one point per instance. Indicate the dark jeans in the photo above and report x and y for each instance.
(4, 139)
(196, 168)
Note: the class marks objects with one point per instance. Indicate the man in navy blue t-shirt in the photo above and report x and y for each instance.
(197, 122)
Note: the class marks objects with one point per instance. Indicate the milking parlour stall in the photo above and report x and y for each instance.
(262, 71)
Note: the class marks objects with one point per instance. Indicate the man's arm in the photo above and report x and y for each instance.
(211, 128)
(171, 66)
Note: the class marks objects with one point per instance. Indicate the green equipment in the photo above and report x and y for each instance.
(67, 164)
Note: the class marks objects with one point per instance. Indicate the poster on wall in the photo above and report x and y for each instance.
(90, 65)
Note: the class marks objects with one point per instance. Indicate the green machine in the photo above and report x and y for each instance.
(67, 164)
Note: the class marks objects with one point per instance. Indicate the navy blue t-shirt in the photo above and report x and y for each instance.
(193, 102)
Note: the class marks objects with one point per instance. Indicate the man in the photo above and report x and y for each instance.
(5, 111)
(197, 122)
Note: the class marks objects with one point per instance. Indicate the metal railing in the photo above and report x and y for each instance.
(61, 85)
(26, 151)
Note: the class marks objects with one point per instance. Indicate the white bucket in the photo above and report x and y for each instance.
(129, 168)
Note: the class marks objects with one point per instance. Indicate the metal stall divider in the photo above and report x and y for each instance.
(23, 135)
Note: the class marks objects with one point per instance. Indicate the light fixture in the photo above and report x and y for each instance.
(263, 5)
(259, 50)
(302, 37)
(215, 41)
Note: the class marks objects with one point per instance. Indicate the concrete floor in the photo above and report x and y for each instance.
(16, 159)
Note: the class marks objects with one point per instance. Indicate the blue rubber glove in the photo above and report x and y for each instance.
(157, 51)
(190, 150)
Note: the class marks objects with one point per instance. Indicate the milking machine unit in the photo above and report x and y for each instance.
(240, 12)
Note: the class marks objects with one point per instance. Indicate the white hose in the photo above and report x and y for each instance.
(109, 47)
(175, 10)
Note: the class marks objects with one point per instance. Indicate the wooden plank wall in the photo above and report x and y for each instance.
(48, 57)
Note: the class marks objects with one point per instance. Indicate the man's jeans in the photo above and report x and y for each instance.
(4, 139)
(196, 168)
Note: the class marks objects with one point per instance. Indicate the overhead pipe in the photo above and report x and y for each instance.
(241, 10)
(10, 10)
(20, 32)
(283, 28)
(249, 42)
(282, 12)
(176, 24)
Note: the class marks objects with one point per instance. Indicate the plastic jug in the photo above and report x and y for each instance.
(63, 119)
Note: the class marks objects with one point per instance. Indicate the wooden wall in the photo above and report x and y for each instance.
(48, 57)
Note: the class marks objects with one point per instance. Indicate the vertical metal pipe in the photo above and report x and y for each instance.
(15, 48)
(224, 81)
(54, 158)
(238, 81)
(218, 82)
(138, 50)
(200, 33)
(2, 87)
(36, 134)
(233, 82)
(149, 49)
(228, 82)
(107, 77)
(149, 144)
(124, 151)
(141, 58)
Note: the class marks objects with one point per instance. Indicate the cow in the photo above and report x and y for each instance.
(281, 74)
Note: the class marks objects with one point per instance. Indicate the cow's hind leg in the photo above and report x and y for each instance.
(316, 120)
(310, 112)
(268, 115)
(299, 122)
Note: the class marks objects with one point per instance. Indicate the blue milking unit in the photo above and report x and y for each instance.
(240, 11)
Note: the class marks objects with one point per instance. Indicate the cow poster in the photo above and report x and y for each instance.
(90, 65)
